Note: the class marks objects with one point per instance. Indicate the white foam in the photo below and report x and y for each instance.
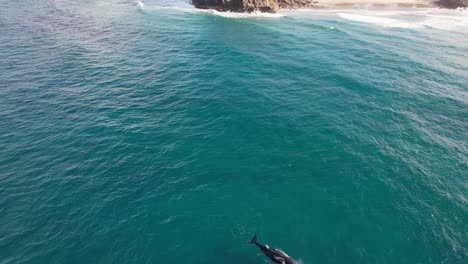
(171, 3)
(177, 5)
(446, 22)
(403, 18)
(182, 5)
(187, 7)
(378, 20)
(228, 14)
(432, 19)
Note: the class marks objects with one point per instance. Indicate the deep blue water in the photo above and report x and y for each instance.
(161, 134)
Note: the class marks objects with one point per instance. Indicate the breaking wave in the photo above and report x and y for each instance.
(382, 21)
(433, 19)
(241, 15)
(187, 7)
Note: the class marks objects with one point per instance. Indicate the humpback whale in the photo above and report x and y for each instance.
(276, 255)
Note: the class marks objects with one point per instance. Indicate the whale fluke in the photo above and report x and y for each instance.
(253, 240)
(276, 255)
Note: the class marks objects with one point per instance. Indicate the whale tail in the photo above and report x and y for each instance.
(253, 240)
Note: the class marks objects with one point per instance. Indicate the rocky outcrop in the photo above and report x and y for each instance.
(270, 6)
(452, 3)
(297, 3)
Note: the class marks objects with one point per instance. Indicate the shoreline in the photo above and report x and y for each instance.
(273, 7)
(364, 5)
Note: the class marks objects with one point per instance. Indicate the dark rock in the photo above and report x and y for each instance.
(296, 3)
(452, 4)
(270, 6)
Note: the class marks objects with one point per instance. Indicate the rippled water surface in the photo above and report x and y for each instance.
(156, 133)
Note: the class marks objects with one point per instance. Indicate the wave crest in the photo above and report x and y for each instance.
(434, 19)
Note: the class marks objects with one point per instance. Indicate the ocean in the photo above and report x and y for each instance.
(157, 133)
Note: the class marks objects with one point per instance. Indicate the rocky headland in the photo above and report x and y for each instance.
(272, 6)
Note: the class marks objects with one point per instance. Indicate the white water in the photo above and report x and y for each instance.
(241, 15)
(186, 6)
(405, 18)
(378, 20)
(413, 19)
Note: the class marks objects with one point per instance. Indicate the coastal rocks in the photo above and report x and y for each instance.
(293, 4)
(452, 4)
(270, 6)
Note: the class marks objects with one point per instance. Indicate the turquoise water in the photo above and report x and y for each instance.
(161, 134)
